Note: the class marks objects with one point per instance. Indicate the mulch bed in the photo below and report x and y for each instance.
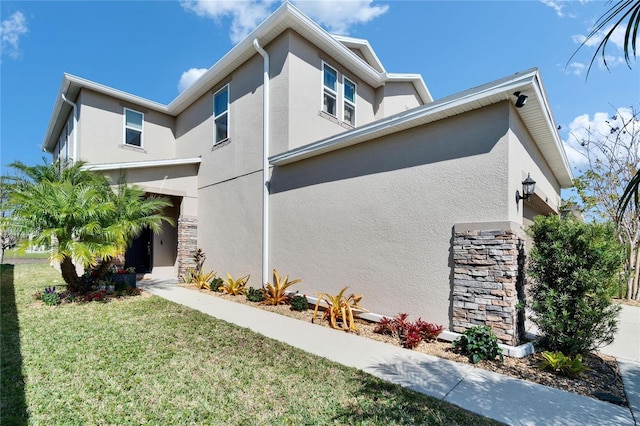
(603, 376)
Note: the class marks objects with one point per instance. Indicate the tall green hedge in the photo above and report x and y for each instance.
(576, 269)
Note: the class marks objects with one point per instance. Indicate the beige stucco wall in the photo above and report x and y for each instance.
(378, 217)
(101, 131)
(179, 185)
(524, 158)
(165, 260)
(230, 227)
(242, 153)
(396, 97)
(307, 122)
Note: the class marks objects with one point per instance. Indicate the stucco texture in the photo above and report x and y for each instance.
(378, 217)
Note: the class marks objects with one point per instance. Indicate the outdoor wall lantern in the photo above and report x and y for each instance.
(522, 99)
(528, 186)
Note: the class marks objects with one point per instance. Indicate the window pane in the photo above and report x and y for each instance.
(330, 78)
(349, 114)
(221, 128)
(329, 104)
(221, 102)
(134, 119)
(134, 137)
(349, 91)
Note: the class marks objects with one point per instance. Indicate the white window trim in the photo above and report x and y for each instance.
(330, 91)
(124, 128)
(213, 100)
(345, 101)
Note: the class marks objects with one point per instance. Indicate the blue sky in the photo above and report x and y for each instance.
(150, 48)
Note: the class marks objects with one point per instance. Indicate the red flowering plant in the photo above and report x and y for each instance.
(97, 296)
(409, 333)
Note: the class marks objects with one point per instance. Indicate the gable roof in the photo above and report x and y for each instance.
(287, 16)
(536, 115)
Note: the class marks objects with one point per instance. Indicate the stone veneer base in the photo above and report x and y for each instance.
(487, 274)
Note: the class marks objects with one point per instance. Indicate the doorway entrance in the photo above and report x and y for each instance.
(139, 255)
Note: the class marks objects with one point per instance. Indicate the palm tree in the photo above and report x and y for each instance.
(624, 12)
(77, 210)
(133, 211)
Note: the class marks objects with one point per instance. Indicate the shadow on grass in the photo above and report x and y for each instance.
(387, 403)
(13, 407)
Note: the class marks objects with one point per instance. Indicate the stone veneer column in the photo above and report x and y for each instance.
(187, 243)
(488, 272)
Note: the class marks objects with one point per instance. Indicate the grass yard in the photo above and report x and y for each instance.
(14, 253)
(144, 360)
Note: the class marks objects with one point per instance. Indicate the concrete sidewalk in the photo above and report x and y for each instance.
(626, 343)
(486, 393)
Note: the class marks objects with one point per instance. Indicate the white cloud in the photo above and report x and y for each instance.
(245, 15)
(615, 46)
(575, 68)
(189, 77)
(339, 16)
(617, 38)
(11, 30)
(336, 15)
(585, 128)
(555, 5)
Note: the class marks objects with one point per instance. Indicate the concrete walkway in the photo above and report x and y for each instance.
(492, 395)
(626, 343)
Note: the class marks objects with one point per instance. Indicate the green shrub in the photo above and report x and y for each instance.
(299, 303)
(50, 297)
(562, 364)
(575, 268)
(478, 343)
(120, 284)
(216, 283)
(255, 295)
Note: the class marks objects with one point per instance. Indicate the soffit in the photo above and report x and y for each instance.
(535, 114)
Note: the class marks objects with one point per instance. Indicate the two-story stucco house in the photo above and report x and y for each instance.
(298, 151)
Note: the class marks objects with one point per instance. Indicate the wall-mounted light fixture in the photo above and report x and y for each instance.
(522, 99)
(528, 186)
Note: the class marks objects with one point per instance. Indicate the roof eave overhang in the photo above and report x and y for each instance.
(491, 93)
(285, 17)
(418, 83)
(70, 88)
(142, 164)
(364, 47)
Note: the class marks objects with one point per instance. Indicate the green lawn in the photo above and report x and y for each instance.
(14, 253)
(144, 360)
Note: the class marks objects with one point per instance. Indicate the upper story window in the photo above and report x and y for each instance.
(133, 127)
(330, 90)
(349, 109)
(339, 102)
(221, 115)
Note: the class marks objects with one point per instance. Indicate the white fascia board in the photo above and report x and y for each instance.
(566, 179)
(286, 16)
(56, 115)
(142, 164)
(115, 93)
(418, 83)
(364, 46)
(416, 116)
(69, 81)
